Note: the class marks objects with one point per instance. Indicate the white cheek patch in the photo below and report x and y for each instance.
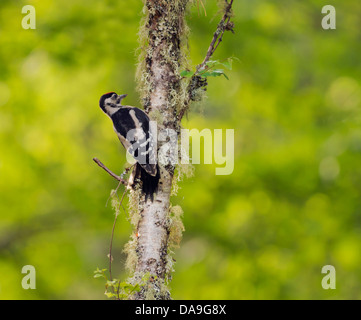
(110, 110)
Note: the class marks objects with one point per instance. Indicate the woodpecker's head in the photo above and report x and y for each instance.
(111, 102)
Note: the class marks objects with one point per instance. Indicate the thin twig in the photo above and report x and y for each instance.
(110, 250)
(220, 37)
(101, 165)
(221, 28)
(112, 236)
(116, 216)
(121, 181)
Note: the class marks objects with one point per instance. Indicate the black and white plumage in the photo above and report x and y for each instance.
(132, 128)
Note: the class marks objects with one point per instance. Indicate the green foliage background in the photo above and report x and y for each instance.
(292, 204)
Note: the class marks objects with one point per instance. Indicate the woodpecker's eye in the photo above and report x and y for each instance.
(114, 96)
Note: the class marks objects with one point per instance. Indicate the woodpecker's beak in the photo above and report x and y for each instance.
(122, 96)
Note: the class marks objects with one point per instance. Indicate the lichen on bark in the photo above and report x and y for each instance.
(166, 98)
(162, 54)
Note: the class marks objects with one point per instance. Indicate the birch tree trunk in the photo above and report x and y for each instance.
(162, 37)
(166, 97)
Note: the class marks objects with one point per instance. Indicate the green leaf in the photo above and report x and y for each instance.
(136, 288)
(100, 273)
(125, 285)
(214, 73)
(111, 283)
(217, 72)
(211, 63)
(205, 74)
(110, 294)
(225, 76)
(187, 73)
(228, 64)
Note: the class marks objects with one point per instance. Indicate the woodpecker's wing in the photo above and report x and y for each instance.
(132, 127)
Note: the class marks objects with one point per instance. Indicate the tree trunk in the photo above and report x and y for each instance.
(166, 98)
(162, 37)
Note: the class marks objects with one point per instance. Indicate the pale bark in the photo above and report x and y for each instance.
(165, 21)
(163, 41)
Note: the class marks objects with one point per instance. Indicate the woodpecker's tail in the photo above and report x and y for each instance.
(149, 183)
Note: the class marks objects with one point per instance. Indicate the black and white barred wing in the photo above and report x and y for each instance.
(134, 133)
(142, 150)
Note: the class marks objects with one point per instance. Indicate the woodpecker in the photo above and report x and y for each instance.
(132, 128)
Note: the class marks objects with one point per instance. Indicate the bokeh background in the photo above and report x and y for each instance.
(292, 204)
